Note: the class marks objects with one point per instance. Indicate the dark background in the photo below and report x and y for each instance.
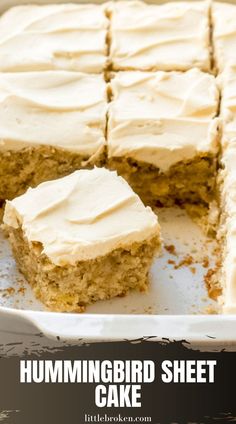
(165, 403)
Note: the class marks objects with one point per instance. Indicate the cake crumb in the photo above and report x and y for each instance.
(186, 261)
(148, 310)
(205, 262)
(21, 290)
(214, 291)
(170, 248)
(7, 292)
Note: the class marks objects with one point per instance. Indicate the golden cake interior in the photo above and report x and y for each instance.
(72, 288)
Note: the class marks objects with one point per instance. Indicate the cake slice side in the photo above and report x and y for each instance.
(76, 247)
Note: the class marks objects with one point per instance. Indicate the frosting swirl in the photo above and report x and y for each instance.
(54, 108)
(172, 36)
(71, 222)
(162, 118)
(57, 36)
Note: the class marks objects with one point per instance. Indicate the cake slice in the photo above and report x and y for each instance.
(56, 36)
(224, 34)
(225, 283)
(82, 238)
(171, 36)
(227, 230)
(163, 135)
(52, 123)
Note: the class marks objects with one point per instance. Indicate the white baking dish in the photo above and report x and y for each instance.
(174, 308)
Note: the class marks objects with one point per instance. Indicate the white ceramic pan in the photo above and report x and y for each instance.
(176, 307)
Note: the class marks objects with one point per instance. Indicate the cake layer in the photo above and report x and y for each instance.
(63, 36)
(185, 183)
(82, 216)
(30, 166)
(163, 118)
(61, 109)
(71, 288)
(173, 36)
(224, 34)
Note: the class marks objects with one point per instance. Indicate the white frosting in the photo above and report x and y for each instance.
(66, 36)
(55, 108)
(228, 196)
(227, 83)
(173, 36)
(82, 216)
(224, 34)
(162, 118)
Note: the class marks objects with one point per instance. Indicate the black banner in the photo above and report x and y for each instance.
(188, 400)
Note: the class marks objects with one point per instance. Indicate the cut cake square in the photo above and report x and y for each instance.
(82, 238)
(52, 123)
(224, 34)
(170, 37)
(56, 36)
(227, 230)
(227, 191)
(227, 83)
(163, 135)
